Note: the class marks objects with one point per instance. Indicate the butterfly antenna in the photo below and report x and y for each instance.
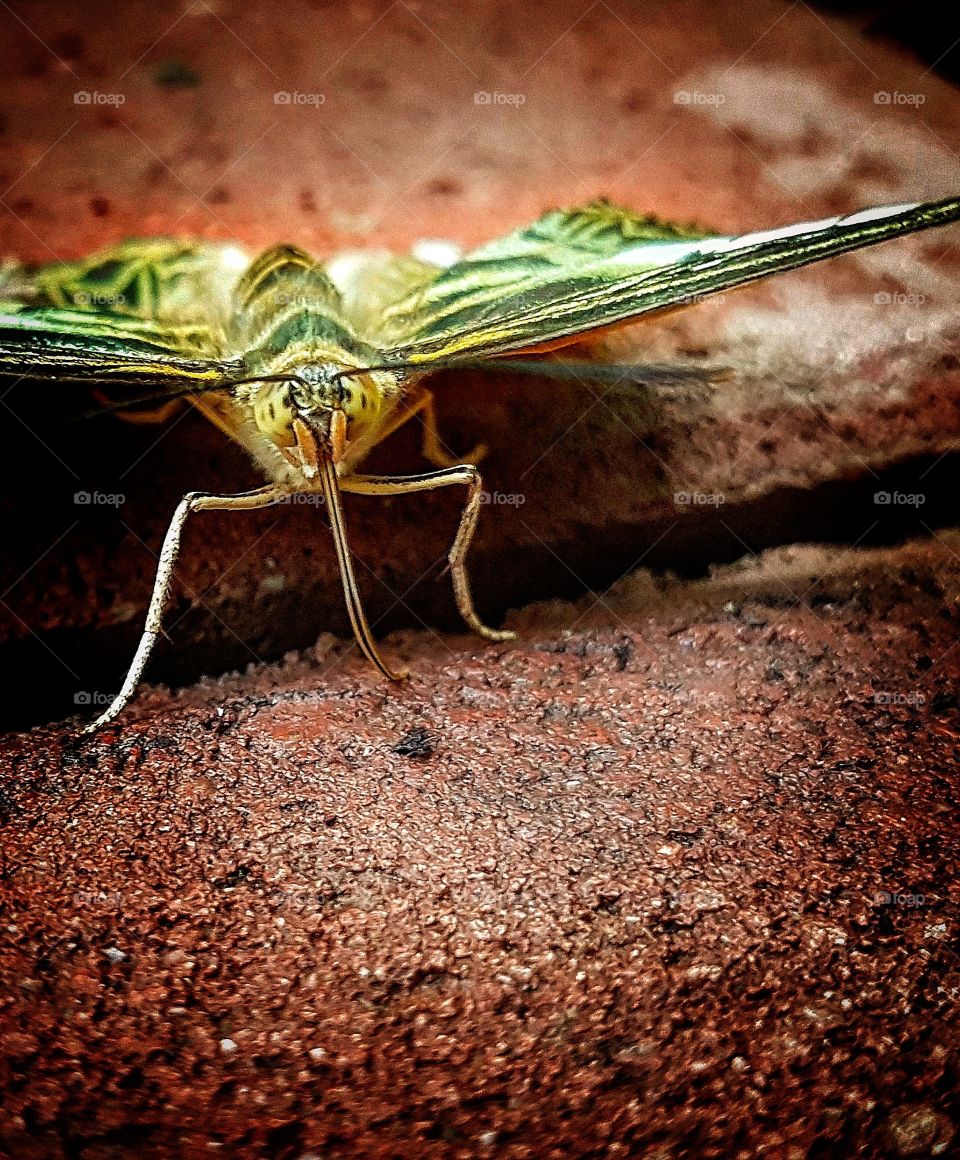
(186, 393)
(572, 370)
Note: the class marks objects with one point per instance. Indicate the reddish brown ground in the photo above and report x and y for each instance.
(624, 886)
(673, 876)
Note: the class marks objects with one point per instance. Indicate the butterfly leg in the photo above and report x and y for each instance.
(155, 415)
(466, 475)
(433, 449)
(192, 502)
(420, 402)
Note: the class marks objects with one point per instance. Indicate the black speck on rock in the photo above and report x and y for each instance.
(418, 742)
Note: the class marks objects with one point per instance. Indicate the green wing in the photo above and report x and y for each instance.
(145, 312)
(574, 272)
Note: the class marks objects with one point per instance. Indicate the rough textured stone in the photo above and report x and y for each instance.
(672, 875)
(675, 872)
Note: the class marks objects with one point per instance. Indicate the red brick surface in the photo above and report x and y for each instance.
(674, 875)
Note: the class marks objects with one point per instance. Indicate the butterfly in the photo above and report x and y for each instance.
(310, 364)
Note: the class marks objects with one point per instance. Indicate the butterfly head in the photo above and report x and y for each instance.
(317, 403)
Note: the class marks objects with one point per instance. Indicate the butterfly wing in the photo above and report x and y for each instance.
(147, 312)
(370, 284)
(580, 271)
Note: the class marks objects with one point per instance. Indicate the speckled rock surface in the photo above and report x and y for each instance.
(672, 876)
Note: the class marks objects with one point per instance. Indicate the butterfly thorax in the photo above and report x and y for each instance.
(290, 318)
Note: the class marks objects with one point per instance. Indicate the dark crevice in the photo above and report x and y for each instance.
(687, 545)
(929, 29)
